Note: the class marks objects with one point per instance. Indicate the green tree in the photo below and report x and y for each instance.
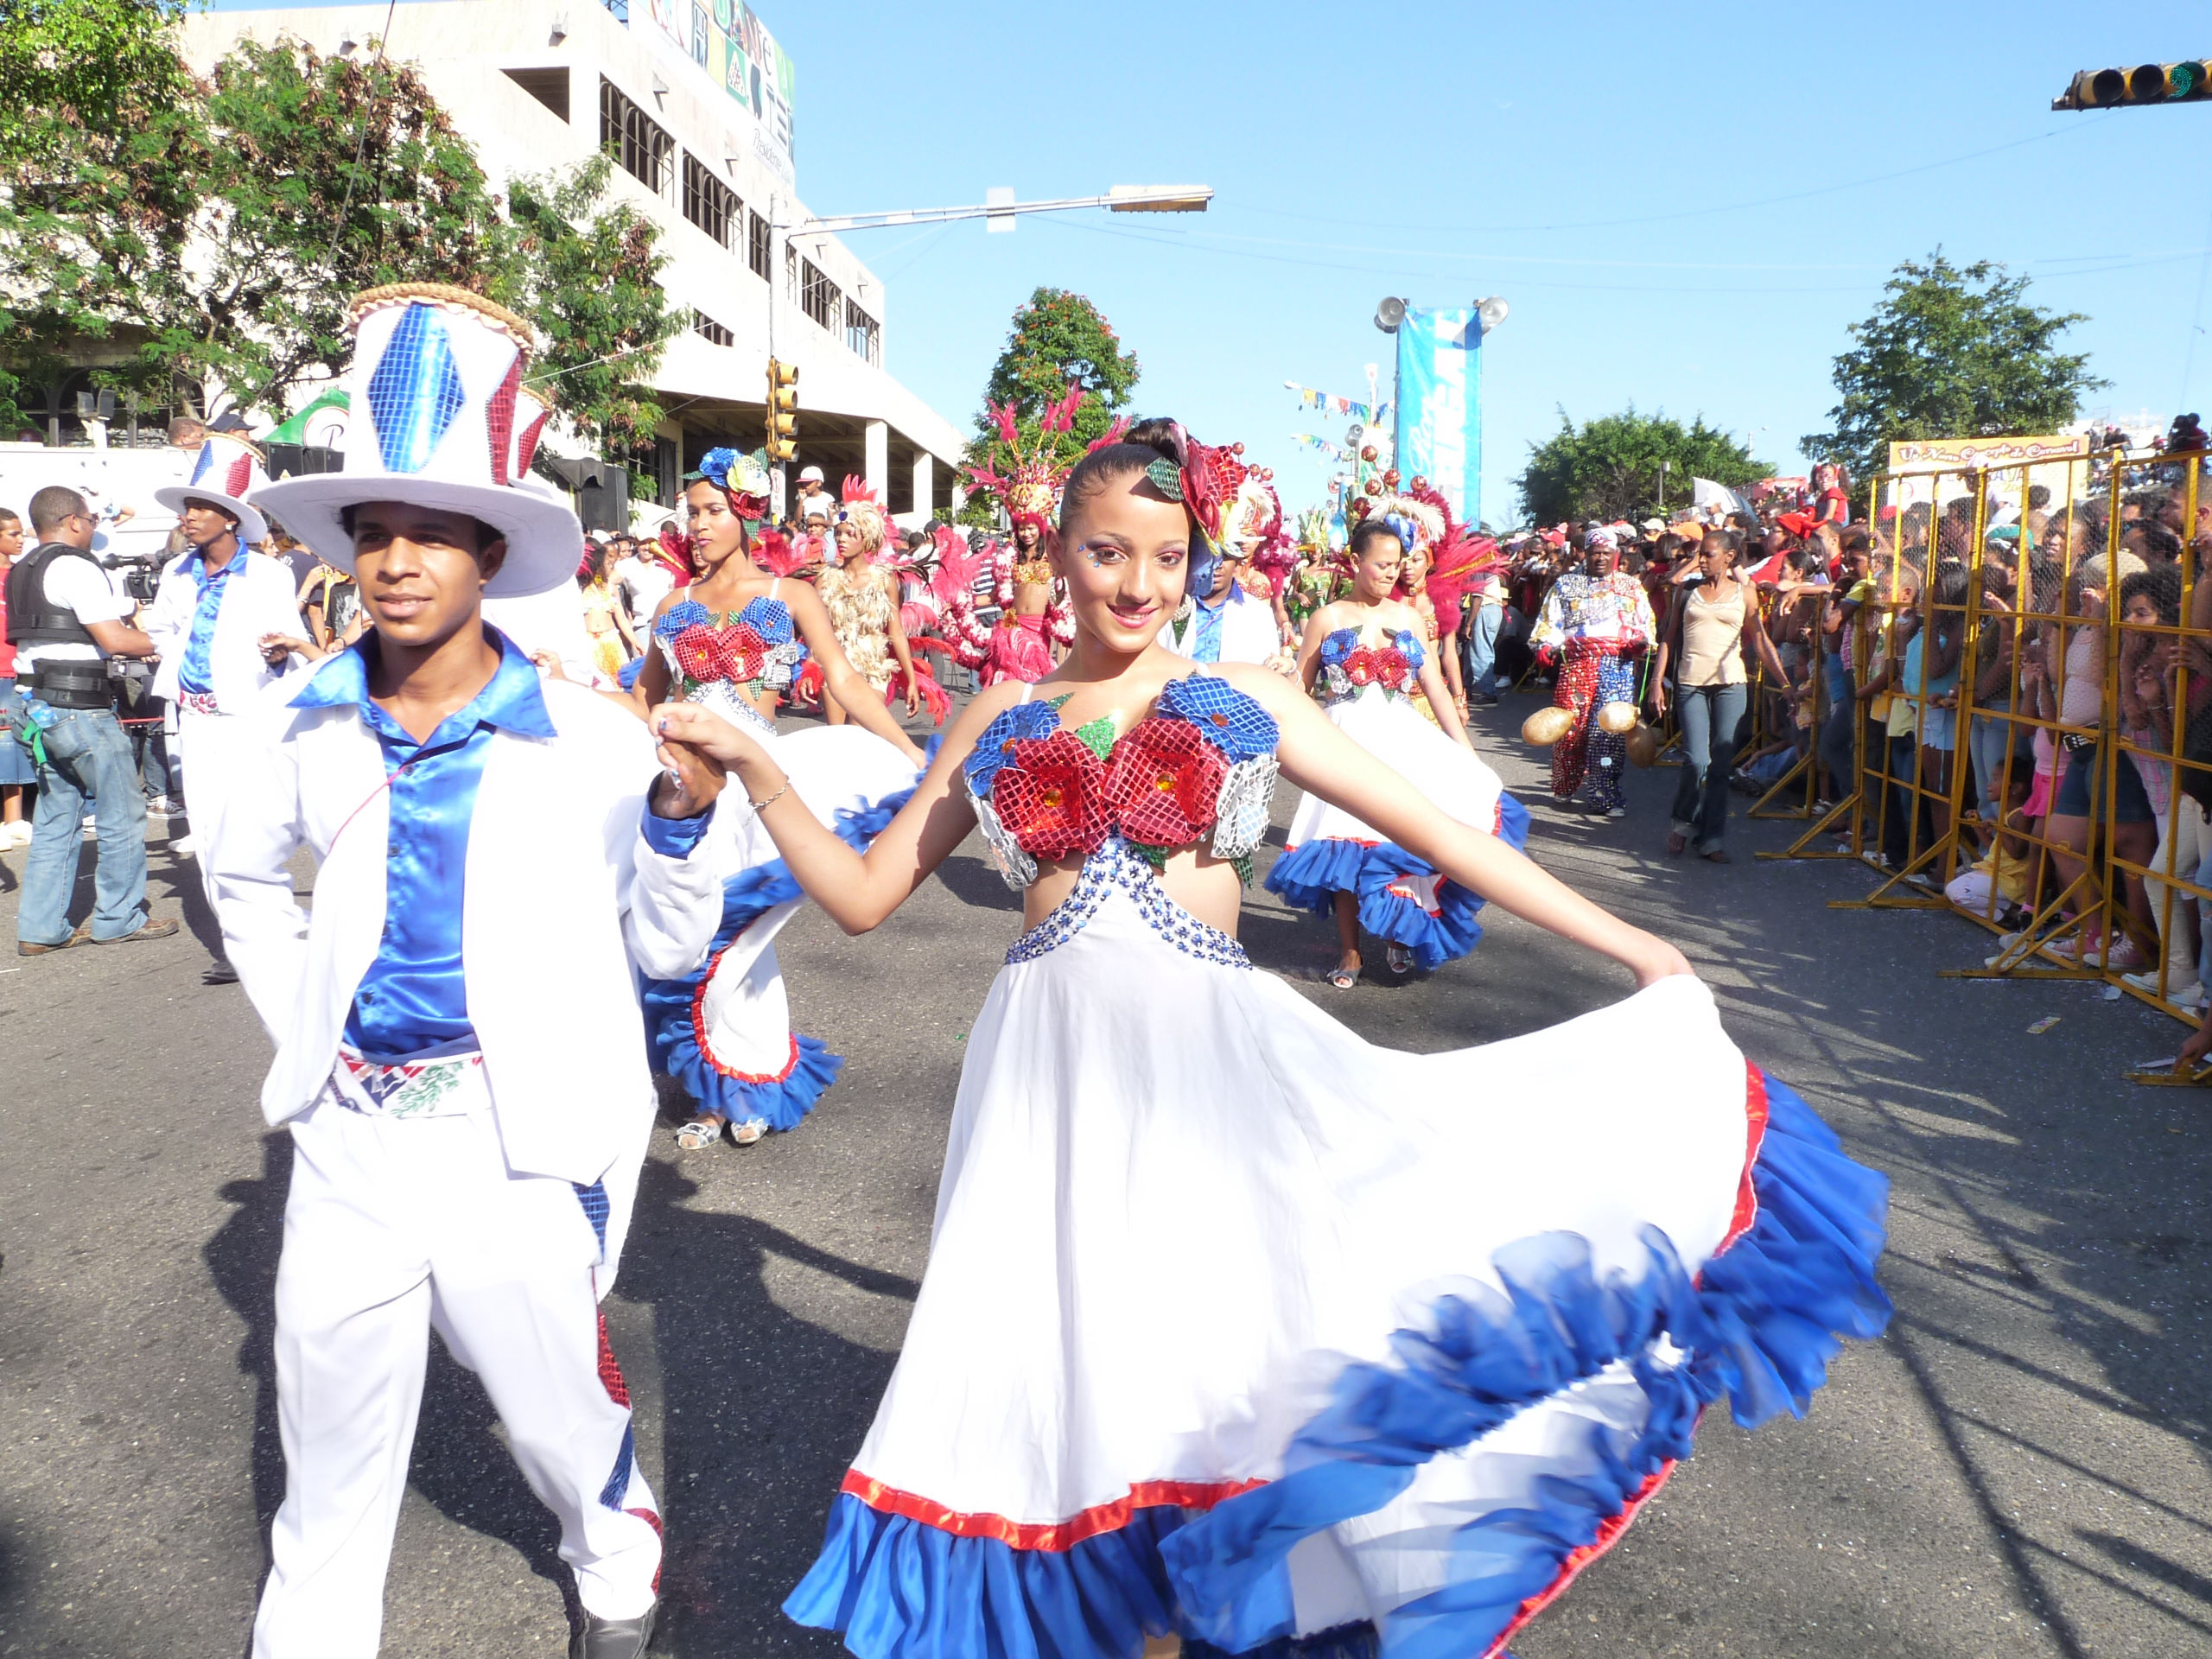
(102, 149)
(328, 176)
(1610, 467)
(1058, 339)
(589, 279)
(1951, 351)
(155, 226)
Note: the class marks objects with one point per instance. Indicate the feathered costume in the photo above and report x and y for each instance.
(1238, 1326)
(1029, 488)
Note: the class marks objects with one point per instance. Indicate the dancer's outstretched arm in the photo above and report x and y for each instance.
(1317, 756)
(859, 893)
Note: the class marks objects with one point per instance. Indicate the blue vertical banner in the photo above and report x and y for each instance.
(1439, 434)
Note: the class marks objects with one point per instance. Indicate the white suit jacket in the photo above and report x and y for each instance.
(259, 598)
(562, 896)
(1249, 633)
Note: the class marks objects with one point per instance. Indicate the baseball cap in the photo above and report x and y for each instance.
(810, 474)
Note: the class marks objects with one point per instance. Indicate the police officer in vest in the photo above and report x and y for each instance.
(65, 619)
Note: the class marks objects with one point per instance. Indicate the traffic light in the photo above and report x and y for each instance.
(2187, 82)
(782, 410)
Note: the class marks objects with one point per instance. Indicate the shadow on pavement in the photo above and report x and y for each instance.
(763, 1412)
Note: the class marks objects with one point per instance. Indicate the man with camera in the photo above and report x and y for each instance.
(67, 620)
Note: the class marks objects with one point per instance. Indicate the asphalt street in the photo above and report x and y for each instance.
(2019, 1468)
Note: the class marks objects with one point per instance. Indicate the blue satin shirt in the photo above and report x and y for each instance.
(193, 674)
(413, 1002)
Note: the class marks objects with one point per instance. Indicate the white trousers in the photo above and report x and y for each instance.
(210, 749)
(394, 1226)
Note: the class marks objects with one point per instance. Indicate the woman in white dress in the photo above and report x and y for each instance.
(1238, 1329)
(1362, 655)
(732, 641)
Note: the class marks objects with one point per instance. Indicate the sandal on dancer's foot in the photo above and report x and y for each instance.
(1400, 959)
(1343, 978)
(745, 1133)
(699, 1133)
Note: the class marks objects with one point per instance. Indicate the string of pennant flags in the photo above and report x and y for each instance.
(1321, 446)
(1329, 403)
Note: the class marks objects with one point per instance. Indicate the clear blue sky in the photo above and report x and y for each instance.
(1686, 205)
(1590, 162)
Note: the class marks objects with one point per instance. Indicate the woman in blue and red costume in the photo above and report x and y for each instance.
(732, 642)
(1363, 657)
(1595, 626)
(1238, 1330)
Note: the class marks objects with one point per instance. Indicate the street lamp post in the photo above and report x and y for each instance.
(1119, 199)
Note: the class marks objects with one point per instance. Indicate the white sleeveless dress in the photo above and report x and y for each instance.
(1238, 1326)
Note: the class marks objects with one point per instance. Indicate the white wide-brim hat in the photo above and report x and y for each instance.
(226, 471)
(440, 420)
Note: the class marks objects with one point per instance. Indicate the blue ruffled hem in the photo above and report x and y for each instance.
(1309, 877)
(746, 897)
(782, 1103)
(1759, 1329)
(901, 1589)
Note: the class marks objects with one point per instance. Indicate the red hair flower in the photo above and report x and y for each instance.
(1164, 782)
(1051, 797)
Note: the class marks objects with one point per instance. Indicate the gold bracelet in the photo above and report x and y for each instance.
(762, 806)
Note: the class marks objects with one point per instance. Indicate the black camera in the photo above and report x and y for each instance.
(142, 573)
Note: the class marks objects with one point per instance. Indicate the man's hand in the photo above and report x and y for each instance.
(698, 749)
(2192, 1051)
(914, 696)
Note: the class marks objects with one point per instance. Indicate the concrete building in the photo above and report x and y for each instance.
(695, 101)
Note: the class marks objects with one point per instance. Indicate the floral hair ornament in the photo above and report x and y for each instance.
(742, 478)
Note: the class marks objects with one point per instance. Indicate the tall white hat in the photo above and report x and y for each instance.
(440, 419)
(226, 471)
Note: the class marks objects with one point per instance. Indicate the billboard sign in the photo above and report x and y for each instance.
(727, 42)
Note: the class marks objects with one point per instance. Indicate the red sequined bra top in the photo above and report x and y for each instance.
(1200, 769)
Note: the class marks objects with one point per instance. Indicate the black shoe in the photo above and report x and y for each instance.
(219, 972)
(613, 1638)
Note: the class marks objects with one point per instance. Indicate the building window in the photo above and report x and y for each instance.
(712, 332)
(711, 205)
(549, 86)
(640, 144)
(818, 297)
(622, 11)
(759, 249)
(864, 335)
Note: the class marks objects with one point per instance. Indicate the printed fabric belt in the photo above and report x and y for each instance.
(451, 1085)
(197, 703)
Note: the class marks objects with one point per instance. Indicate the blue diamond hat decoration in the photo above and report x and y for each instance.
(415, 390)
(444, 420)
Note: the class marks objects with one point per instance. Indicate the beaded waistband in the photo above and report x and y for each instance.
(1113, 866)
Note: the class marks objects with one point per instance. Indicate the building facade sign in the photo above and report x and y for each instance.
(726, 42)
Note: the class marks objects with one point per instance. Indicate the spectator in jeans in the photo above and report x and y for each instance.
(65, 618)
(1485, 616)
(1715, 627)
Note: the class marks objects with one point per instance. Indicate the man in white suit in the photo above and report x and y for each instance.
(499, 855)
(1227, 625)
(216, 602)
